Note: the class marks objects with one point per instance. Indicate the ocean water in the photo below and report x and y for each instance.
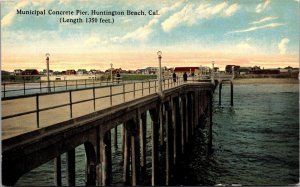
(255, 142)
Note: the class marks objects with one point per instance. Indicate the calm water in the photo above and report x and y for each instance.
(256, 142)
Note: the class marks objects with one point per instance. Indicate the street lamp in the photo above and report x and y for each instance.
(48, 79)
(159, 53)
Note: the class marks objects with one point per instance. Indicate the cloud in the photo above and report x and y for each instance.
(231, 9)
(270, 25)
(282, 45)
(260, 7)
(142, 33)
(244, 45)
(185, 15)
(8, 19)
(189, 14)
(264, 20)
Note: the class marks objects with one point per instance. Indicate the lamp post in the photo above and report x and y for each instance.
(159, 53)
(48, 79)
(213, 73)
(111, 74)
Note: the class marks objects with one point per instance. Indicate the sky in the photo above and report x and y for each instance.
(188, 32)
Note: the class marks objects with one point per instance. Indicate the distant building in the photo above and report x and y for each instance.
(30, 72)
(151, 70)
(188, 70)
(70, 72)
(82, 72)
(228, 69)
(18, 72)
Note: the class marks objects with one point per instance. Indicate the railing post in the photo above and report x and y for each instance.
(124, 92)
(37, 112)
(142, 88)
(24, 87)
(110, 94)
(54, 85)
(149, 87)
(40, 86)
(4, 90)
(94, 98)
(155, 85)
(134, 90)
(85, 83)
(168, 83)
(76, 84)
(70, 97)
(93, 82)
(66, 85)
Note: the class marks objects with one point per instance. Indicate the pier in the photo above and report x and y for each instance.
(174, 119)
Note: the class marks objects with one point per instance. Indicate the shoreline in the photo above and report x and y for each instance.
(265, 81)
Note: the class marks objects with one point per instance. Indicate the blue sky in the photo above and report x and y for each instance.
(190, 33)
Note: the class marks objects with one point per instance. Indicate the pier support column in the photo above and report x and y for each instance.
(126, 153)
(183, 122)
(175, 128)
(210, 106)
(186, 115)
(57, 171)
(154, 113)
(105, 146)
(70, 157)
(142, 133)
(116, 136)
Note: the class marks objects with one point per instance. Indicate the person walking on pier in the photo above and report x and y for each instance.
(118, 77)
(174, 77)
(184, 77)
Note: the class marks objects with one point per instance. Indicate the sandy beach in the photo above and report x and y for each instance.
(265, 81)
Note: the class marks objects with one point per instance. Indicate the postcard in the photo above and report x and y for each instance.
(155, 92)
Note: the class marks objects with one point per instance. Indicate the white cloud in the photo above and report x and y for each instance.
(270, 25)
(260, 7)
(244, 45)
(92, 41)
(282, 45)
(142, 33)
(8, 19)
(185, 15)
(189, 14)
(264, 20)
(231, 9)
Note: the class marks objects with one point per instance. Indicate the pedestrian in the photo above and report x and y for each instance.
(174, 77)
(118, 77)
(184, 77)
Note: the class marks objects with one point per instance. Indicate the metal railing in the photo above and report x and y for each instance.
(144, 87)
(26, 88)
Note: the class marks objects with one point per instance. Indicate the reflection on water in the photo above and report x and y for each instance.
(256, 142)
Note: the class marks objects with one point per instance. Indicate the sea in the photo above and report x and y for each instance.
(255, 142)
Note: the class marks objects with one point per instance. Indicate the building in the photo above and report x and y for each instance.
(70, 72)
(188, 70)
(228, 69)
(30, 72)
(18, 72)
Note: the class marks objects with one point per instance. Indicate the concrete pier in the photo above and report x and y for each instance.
(174, 119)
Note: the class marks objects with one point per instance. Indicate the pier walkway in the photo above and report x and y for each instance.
(39, 128)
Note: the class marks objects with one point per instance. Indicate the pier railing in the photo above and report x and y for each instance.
(43, 109)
